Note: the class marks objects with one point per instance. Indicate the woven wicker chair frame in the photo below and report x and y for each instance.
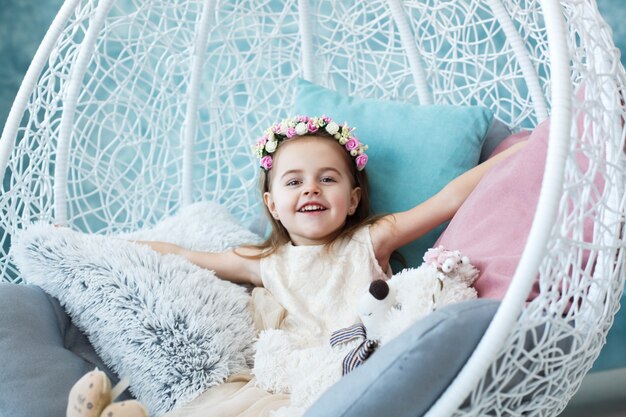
(132, 109)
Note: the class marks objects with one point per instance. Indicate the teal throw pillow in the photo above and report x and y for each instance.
(414, 151)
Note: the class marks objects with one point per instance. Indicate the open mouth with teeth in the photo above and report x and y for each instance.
(309, 208)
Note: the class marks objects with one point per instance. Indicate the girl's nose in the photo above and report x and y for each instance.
(312, 189)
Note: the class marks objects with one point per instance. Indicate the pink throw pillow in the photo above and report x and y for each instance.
(492, 226)
(510, 141)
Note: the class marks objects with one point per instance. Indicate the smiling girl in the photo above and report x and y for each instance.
(324, 248)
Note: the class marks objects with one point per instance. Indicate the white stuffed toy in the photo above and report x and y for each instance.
(390, 307)
(386, 309)
(281, 366)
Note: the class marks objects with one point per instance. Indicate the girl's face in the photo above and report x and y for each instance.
(311, 190)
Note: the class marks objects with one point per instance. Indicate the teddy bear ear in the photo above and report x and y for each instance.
(90, 395)
(379, 289)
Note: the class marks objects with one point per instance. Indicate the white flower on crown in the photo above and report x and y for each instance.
(346, 132)
(319, 122)
(332, 128)
(271, 146)
(301, 128)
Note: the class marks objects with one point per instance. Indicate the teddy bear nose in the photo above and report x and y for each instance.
(379, 289)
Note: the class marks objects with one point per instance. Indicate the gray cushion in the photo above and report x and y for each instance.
(42, 354)
(406, 376)
(497, 132)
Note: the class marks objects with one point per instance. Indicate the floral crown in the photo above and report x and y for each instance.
(305, 125)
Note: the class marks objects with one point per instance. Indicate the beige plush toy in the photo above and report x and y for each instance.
(92, 396)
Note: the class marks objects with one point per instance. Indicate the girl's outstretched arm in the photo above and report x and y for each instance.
(396, 230)
(227, 265)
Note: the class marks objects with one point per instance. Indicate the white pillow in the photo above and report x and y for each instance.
(204, 226)
(173, 328)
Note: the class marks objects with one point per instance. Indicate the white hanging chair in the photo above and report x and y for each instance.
(132, 109)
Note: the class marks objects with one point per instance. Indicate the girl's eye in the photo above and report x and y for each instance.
(292, 182)
(328, 179)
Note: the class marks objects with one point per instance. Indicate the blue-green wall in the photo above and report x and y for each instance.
(23, 23)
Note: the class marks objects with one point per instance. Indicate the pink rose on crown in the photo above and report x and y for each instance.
(361, 161)
(352, 144)
(266, 162)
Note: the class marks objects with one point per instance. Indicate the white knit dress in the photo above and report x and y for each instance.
(319, 288)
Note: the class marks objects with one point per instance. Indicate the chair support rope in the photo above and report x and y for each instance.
(77, 72)
(191, 117)
(412, 54)
(306, 39)
(503, 322)
(521, 53)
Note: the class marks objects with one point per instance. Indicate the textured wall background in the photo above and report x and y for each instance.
(23, 24)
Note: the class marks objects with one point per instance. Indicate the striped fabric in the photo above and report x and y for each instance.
(359, 354)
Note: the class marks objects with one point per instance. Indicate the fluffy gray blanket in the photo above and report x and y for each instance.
(173, 328)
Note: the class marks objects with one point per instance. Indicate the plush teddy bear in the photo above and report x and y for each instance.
(386, 309)
(390, 307)
(92, 396)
